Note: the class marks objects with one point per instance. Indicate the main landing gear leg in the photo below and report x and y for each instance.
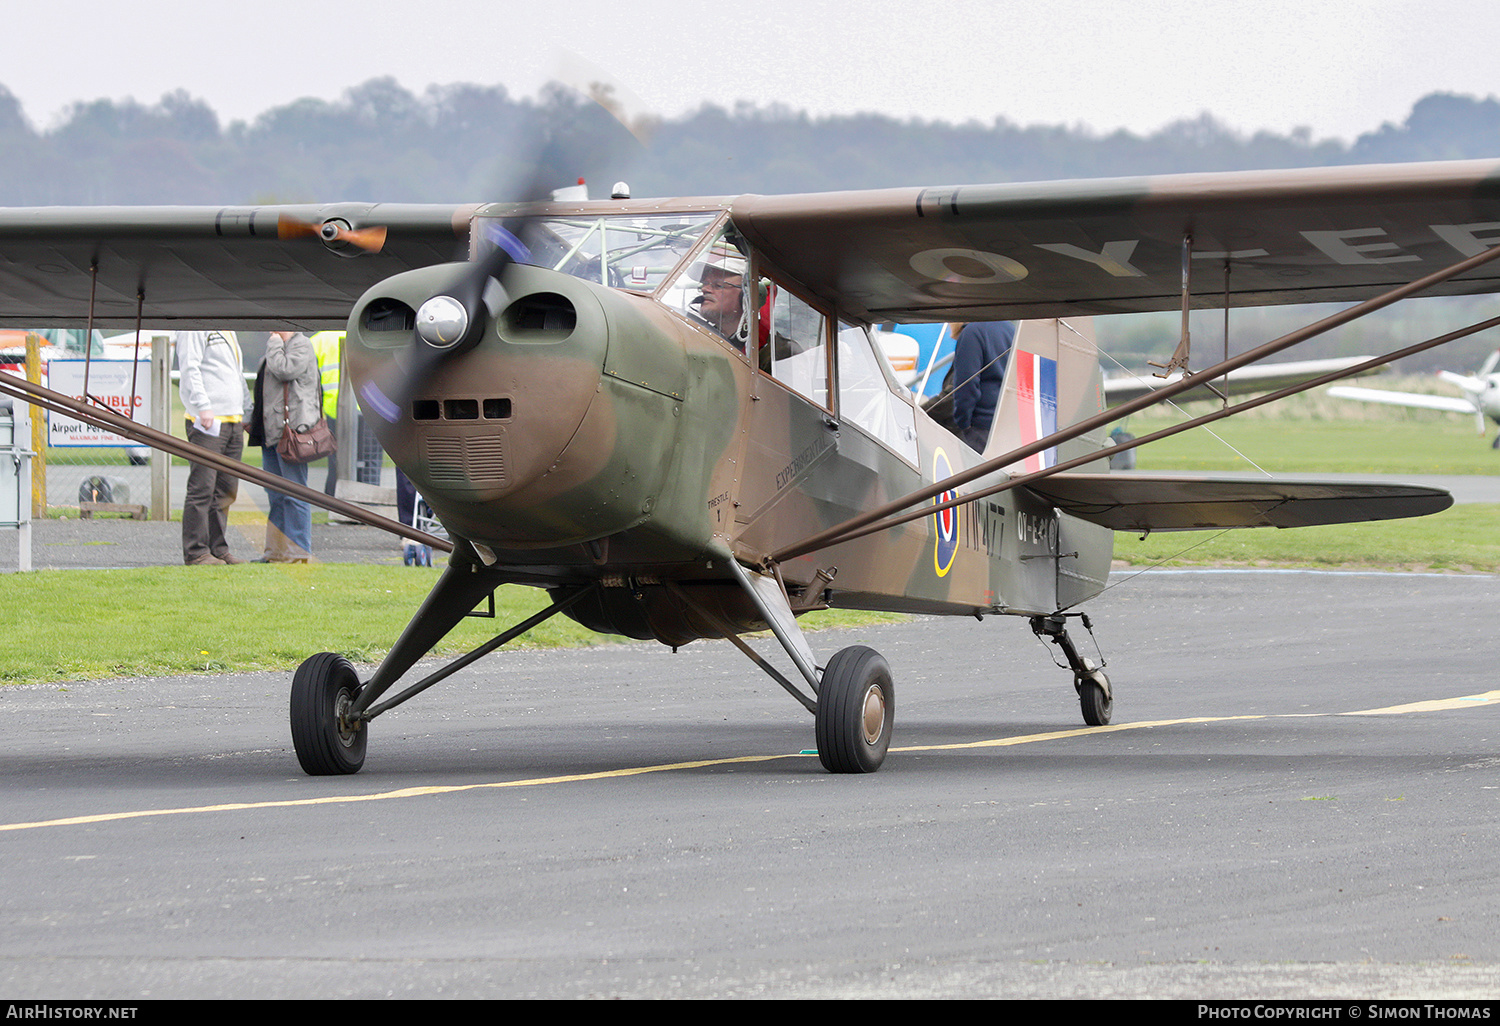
(855, 706)
(1095, 698)
(331, 710)
(328, 703)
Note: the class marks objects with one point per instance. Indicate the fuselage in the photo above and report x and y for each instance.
(603, 429)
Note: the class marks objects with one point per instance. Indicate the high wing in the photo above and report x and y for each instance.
(1260, 378)
(1001, 252)
(230, 267)
(1132, 502)
(982, 252)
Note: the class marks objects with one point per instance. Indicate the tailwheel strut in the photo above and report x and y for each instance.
(1095, 698)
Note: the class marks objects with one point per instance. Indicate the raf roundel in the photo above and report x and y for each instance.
(944, 522)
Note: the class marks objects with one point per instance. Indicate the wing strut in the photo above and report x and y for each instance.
(858, 526)
(47, 399)
(1207, 418)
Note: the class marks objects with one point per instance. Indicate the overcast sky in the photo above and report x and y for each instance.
(1338, 67)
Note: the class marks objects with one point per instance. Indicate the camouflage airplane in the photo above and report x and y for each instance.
(670, 415)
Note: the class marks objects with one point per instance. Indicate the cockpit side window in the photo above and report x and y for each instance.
(711, 290)
(794, 344)
(869, 397)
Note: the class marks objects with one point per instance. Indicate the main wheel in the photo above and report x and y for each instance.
(856, 709)
(322, 691)
(1095, 700)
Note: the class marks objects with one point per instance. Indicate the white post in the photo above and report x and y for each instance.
(161, 410)
(15, 472)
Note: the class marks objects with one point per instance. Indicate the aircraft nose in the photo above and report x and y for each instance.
(495, 421)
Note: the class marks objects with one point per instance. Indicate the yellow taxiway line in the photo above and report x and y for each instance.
(1463, 702)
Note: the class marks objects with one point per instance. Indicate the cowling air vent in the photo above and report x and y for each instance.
(539, 318)
(388, 322)
(497, 408)
(455, 461)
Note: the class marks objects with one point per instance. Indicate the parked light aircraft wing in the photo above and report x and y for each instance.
(1265, 377)
(1416, 400)
(1481, 395)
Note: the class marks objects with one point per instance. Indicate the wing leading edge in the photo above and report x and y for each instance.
(1130, 502)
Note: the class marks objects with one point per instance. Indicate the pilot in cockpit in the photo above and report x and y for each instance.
(721, 296)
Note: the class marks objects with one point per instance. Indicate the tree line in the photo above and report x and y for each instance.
(462, 143)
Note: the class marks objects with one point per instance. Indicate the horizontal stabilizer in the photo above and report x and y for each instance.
(1131, 502)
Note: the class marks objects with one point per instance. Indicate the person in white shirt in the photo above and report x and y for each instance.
(214, 397)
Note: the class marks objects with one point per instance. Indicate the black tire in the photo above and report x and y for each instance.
(856, 710)
(322, 685)
(1095, 701)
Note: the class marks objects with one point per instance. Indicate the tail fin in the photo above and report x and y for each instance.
(1052, 380)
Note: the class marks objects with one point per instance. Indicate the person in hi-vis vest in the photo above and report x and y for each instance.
(328, 346)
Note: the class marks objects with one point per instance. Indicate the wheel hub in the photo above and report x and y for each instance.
(348, 726)
(874, 714)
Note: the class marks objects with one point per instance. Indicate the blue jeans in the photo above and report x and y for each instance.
(289, 534)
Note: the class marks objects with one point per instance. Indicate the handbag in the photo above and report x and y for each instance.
(304, 446)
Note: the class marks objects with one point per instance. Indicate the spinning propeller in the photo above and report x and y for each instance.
(449, 323)
(334, 231)
(455, 317)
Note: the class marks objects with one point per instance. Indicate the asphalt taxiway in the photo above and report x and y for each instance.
(1297, 798)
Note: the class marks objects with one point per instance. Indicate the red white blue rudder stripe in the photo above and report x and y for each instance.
(1036, 392)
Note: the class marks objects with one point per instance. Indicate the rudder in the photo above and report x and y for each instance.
(1052, 380)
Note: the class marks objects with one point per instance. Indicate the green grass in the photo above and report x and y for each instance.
(68, 625)
(1461, 539)
(1311, 447)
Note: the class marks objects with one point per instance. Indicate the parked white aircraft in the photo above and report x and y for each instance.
(1481, 395)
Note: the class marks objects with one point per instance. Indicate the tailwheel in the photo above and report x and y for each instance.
(856, 710)
(1095, 698)
(323, 690)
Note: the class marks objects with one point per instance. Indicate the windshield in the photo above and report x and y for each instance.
(623, 251)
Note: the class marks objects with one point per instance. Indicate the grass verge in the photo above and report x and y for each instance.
(1461, 539)
(1302, 446)
(64, 625)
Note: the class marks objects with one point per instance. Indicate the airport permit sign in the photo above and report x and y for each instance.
(109, 382)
